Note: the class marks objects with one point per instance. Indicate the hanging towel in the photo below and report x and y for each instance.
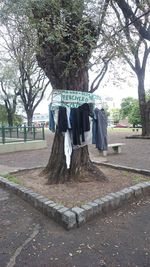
(67, 148)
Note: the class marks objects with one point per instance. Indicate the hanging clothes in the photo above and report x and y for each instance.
(75, 125)
(68, 117)
(99, 129)
(84, 124)
(51, 120)
(80, 123)
(62, 119)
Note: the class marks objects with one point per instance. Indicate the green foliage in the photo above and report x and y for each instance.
(18, 120)
(126, 106)
(3, 114)
(134, 116)
(130, 109)
(67, 28)
(115, 114)
(148, 95)
(138, 179)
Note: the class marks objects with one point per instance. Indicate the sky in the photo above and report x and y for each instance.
(111, 87)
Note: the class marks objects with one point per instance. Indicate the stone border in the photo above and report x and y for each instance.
(137, 137)
(74, 217)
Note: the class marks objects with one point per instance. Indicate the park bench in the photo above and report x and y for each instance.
(116, 148)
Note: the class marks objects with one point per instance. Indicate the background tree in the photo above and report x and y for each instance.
(115, 115)
(3, 115)
(126, 106)
(9, 91)
(130, 12)
(19, 44)
(135, 50)
(134, 115)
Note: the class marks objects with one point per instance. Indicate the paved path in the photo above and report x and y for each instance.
(29, 239)
(136, 154)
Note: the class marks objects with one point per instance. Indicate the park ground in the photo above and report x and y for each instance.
(28, 238)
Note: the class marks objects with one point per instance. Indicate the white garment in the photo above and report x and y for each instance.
(67, 148)
(56, 117)
(68, 117)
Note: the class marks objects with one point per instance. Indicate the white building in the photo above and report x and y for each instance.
(40, 118)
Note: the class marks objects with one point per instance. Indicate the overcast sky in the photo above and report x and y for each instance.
(112, 86)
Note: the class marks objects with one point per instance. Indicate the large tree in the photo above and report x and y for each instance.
(136, 52)
(67, 34)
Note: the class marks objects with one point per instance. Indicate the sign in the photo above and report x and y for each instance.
(72, 99)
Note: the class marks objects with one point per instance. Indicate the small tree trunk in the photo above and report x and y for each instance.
(144, 108)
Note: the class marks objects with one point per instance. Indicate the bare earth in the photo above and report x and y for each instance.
(78, 193)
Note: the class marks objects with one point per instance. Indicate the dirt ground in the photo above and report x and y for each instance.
(78, 193)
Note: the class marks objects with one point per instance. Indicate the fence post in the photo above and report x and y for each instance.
(3, 134)
(17, 131)
(33, 128)
(10, 131)
(25, 133)
(43, 133)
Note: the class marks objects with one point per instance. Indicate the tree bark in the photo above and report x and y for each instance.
(10, 118)
(144, 106)
(29, 117)
(81, 165)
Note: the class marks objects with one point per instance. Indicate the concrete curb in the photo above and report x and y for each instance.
(22, 146)
(74, 217)
(124, 168)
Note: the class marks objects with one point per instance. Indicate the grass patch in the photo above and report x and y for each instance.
(126, 173)
(138, 179)
(11, 178)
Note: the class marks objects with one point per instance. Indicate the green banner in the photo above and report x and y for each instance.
(72, 99)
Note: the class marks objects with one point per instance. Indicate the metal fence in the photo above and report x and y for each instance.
(21, 134)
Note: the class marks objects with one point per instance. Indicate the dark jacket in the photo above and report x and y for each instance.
(84, 112)
(62, 120)
(99, 129)
(75, 125)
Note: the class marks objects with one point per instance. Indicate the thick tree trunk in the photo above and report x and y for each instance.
(81, 165)
(29, 118)
(10, 118)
